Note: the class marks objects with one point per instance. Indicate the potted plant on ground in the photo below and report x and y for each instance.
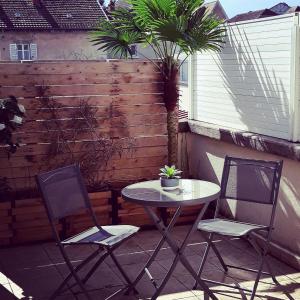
(11, 118)
(169, 177)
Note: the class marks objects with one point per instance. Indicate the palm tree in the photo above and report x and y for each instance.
(172, 28)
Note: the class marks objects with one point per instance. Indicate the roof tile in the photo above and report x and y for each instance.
(50, 14)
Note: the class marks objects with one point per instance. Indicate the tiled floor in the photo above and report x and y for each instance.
(33, 272)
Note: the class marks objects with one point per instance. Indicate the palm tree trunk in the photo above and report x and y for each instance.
(171, 96)
(172, 125)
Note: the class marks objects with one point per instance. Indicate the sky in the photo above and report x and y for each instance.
(234, 7)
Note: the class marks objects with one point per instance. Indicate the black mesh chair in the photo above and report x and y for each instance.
(244, 180)
(64, 194)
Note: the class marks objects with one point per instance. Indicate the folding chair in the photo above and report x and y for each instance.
(244, 180)
(64, 194)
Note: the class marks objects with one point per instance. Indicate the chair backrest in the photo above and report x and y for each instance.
(251, 180)
(63, 191)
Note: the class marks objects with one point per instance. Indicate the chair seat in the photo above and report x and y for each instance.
(105, 235)
(229, 227)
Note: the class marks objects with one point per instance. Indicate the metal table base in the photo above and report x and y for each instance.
(178, 250)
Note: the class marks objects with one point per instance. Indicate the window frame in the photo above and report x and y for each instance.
(23, 51)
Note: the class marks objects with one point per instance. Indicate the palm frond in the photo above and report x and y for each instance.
(115, 40)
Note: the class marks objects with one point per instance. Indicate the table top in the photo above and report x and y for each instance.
(189, 192)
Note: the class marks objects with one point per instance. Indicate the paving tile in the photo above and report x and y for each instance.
(128, 246)
(156, 270)
(104, 278)
(180, 233)
(24, 256)
(36, 282)
(194, 260)
(129, 258)
(36, 271)
(6, 292)
(173, 290)
(74, 252)
(3, 278)
(147, 240)
(212, 274)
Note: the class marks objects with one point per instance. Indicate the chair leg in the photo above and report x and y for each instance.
(121, 270)
(94, 268)
(224, 266)
(271, 270)
(257, 279)
(72, 271)
(262, 253)
(209, 243)
(78, 280)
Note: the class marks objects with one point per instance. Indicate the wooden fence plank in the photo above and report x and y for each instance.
(79, 67)
(82, 89)
(128, 101)
(85, 78)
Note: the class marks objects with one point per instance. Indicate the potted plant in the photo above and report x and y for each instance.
(11, 117)
(169, 177)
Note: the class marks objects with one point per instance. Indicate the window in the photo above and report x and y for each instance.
(184, 70)
(23, 51)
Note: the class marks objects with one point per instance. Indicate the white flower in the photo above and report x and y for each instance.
(2, 126)
(21, 108)
(17, 120)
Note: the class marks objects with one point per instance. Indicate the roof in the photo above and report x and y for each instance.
(28, 15)
(251, 15)
(213, 7)
(278, 9)
(216, 8)
(293, 9)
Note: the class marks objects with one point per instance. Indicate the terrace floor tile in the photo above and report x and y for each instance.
(34, 271)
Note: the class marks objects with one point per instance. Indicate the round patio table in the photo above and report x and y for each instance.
(151, 195)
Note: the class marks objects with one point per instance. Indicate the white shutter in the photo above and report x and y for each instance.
(13, 52)
(33, 51)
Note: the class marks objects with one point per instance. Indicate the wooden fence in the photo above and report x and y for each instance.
(128, 100)
(130, 92)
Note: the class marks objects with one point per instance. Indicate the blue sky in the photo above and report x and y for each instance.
(234, 7)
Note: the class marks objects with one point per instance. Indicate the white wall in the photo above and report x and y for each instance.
(206, 160)
(250, 85)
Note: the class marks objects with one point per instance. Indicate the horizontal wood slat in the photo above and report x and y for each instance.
(127, 97)
(127, 100)
(76, 67)
(27, 220)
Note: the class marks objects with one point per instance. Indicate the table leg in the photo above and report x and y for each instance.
(178, 251)
(158, 247)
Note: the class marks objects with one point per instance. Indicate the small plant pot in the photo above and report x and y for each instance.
(169, 184)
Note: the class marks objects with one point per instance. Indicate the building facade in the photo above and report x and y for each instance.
(49, 30)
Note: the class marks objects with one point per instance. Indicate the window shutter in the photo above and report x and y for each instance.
(33, 51)
(13, 52)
